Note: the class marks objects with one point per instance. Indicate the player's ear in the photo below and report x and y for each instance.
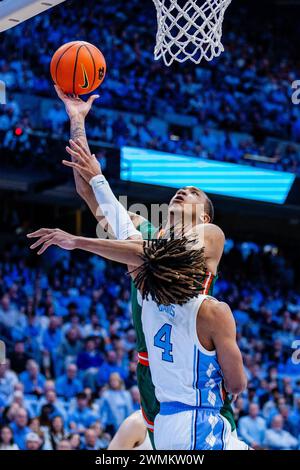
(205, 219)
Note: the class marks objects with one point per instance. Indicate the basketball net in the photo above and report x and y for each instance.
(189, 29)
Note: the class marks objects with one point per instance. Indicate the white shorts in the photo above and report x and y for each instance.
(195, 429)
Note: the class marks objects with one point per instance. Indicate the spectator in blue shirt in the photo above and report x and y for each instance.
(57, 405)
(82, 416)
(32, 379)
(110, 366)
(52, 336)
(20, 429)
(6, 384)
(115, 404)
(90, 440)
(135, 396)
(90, 358)
(252, 428)
(278, 439)
(295, 417)
(71, 345)
(68, 385)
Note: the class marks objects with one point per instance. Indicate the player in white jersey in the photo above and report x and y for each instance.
(192, 355)
(132, 434)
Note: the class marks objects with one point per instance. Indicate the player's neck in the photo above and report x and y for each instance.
(182, 224)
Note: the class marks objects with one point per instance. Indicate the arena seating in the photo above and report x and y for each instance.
(67, 324)
(242, 91)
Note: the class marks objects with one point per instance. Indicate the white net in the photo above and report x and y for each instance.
(189, 29)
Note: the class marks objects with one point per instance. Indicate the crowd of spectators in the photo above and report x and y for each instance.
(23, 146)
(70, 378)
(247, 89)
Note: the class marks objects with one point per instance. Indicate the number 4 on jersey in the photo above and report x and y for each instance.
(162, 340)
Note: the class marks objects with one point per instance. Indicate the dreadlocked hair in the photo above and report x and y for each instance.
(173, 272)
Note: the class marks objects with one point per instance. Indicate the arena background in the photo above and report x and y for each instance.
(234, 116)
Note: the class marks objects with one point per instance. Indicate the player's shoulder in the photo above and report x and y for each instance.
(211, 231)
(216, 309)
(134, 420)
(214, 230)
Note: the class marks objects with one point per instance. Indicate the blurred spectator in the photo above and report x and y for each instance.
(7, 439)
(56, 432)
(71, 345)
(74, 440)
(20, 428)
(19, 357)
(136, 399)
(32, 379)
(7, 384)
(33, 441)
(68, 385)
(276, 438)
(90, 440)
(64, 445)
(110, 366)
(103, 438)
(252, 428)
(55, 403)
(116, 403)
(90, 358)
(82, 416)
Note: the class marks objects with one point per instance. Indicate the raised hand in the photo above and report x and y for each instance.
(75, 106)
(52, 236)
(83, 161)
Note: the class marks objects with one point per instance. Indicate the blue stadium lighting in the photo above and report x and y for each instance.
(227, 179)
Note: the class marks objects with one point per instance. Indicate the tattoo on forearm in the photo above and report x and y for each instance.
(77, 129)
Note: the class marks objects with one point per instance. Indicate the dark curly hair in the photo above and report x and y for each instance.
(173, 272)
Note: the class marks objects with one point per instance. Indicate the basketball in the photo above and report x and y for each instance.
(78, 67)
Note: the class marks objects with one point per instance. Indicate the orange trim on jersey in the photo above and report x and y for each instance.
(208, 283)
(149, 424)
(143, 358)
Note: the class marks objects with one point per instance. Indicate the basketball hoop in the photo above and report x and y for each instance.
(189, 29)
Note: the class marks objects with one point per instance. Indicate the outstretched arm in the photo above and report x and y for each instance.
(77, 110)
(123, 251)
(89, 169)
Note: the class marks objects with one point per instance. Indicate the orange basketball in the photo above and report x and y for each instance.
(78, 67)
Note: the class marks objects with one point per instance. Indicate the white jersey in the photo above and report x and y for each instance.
(182, 369)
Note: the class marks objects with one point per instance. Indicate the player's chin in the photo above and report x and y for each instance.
(176, 203)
